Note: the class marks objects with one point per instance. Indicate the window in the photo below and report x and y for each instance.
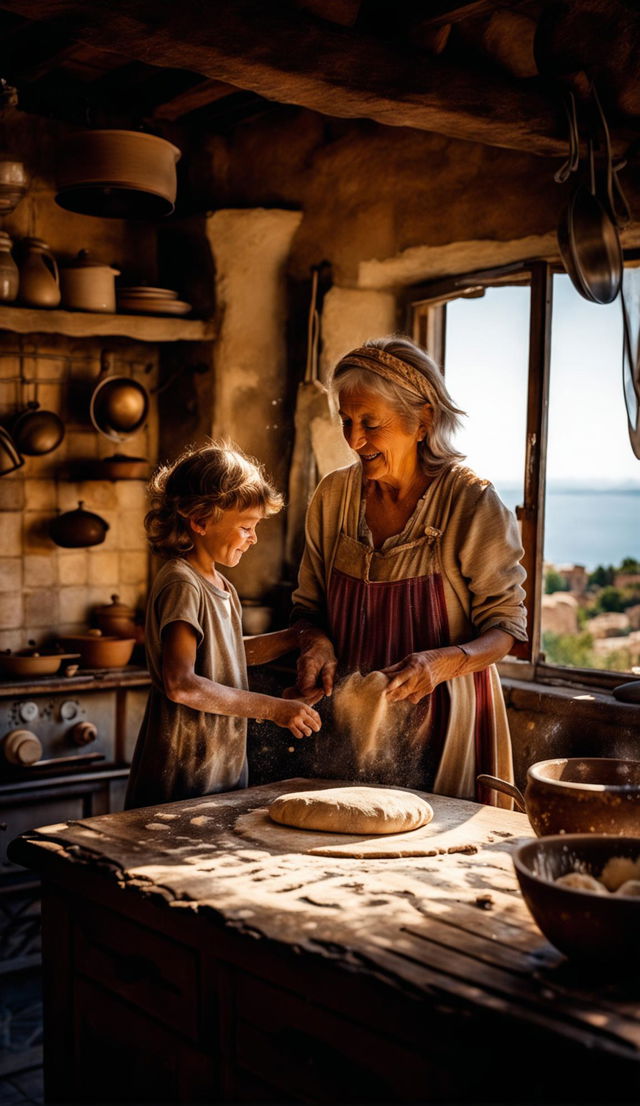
(539, 370)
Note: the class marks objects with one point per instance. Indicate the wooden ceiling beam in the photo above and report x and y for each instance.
(200, 95)
(284, 56)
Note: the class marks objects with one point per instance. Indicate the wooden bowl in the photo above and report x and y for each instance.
(598, 928)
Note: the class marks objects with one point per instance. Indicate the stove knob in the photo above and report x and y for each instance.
(28, 712)
(83, 733)
(21, 747)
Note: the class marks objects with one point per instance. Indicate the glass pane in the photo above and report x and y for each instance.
(591, 606)
(486, 367)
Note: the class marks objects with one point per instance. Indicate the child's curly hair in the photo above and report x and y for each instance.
(202, 483)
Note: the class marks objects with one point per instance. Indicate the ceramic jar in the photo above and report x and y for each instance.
(39, 277)
(88, 285)
(9, 275)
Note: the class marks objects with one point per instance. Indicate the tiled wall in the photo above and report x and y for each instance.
(45, 589)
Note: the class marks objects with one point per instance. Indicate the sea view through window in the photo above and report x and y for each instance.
(591, 601)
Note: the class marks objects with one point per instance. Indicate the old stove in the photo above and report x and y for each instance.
(65, 750)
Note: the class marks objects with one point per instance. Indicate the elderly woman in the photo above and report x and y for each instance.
(411, 567)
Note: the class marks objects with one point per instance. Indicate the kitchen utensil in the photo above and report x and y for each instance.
(587, 233)
(119, 404)
(30, 662)
(88, 285)
(9, 275)
(10, 459)
(599, 928)
(78, 529)
(120, 467)
(14, 183)
(630, 303)
(39, 276)
(578, 795)
(37, 432)
(117, 173)
(100, 651)
(116, 618)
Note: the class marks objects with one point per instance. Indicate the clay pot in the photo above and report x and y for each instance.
(599, 929)
(78, 529)
(39, 277)
(98, 651)
(116, 618)
(579, 795)
(30, 662)
(37, 432)
(118, 174)
(88, 285)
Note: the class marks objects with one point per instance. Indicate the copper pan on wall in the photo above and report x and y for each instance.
(119, 404)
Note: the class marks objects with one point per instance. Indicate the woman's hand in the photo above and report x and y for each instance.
(317, 663)
(419, 673)
(294, 715)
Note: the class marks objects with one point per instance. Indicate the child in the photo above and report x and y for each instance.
(205, 510)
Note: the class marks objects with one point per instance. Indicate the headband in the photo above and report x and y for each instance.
(389, 367)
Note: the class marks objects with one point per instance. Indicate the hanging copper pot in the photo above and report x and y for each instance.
(78, 529)
(119, 404)
(36, 432)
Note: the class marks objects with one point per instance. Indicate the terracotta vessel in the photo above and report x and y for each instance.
(98, 651)
(117, 173)
(88, 285)
(116, 618)
(39, 276)
(579, 795)
(600, 929)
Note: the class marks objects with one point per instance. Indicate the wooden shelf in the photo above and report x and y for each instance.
(90, 324)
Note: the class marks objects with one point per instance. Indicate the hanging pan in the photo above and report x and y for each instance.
(119, 404)
(587, 233)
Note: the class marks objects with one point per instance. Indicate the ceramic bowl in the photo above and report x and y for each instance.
(598, 928)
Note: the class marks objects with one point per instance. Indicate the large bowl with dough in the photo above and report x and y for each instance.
(597, 924)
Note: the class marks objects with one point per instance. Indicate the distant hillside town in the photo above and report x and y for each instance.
(592, 619)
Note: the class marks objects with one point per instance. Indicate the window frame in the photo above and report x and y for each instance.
(425, 315)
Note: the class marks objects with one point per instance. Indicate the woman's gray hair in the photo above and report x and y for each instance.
(436, 451)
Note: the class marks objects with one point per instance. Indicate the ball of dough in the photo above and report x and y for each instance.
(359, 810)
(618, 870)
(580, 881)
(629, 887)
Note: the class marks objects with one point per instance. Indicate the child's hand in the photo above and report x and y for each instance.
(311, 699)
(294, 715)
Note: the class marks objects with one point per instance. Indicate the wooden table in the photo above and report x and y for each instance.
(185, 963)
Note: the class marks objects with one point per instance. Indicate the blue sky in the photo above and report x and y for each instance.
(486, 370)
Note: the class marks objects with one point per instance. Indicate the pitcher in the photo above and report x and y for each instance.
(39, 277)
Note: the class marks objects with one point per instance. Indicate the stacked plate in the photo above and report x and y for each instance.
(141, 300)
